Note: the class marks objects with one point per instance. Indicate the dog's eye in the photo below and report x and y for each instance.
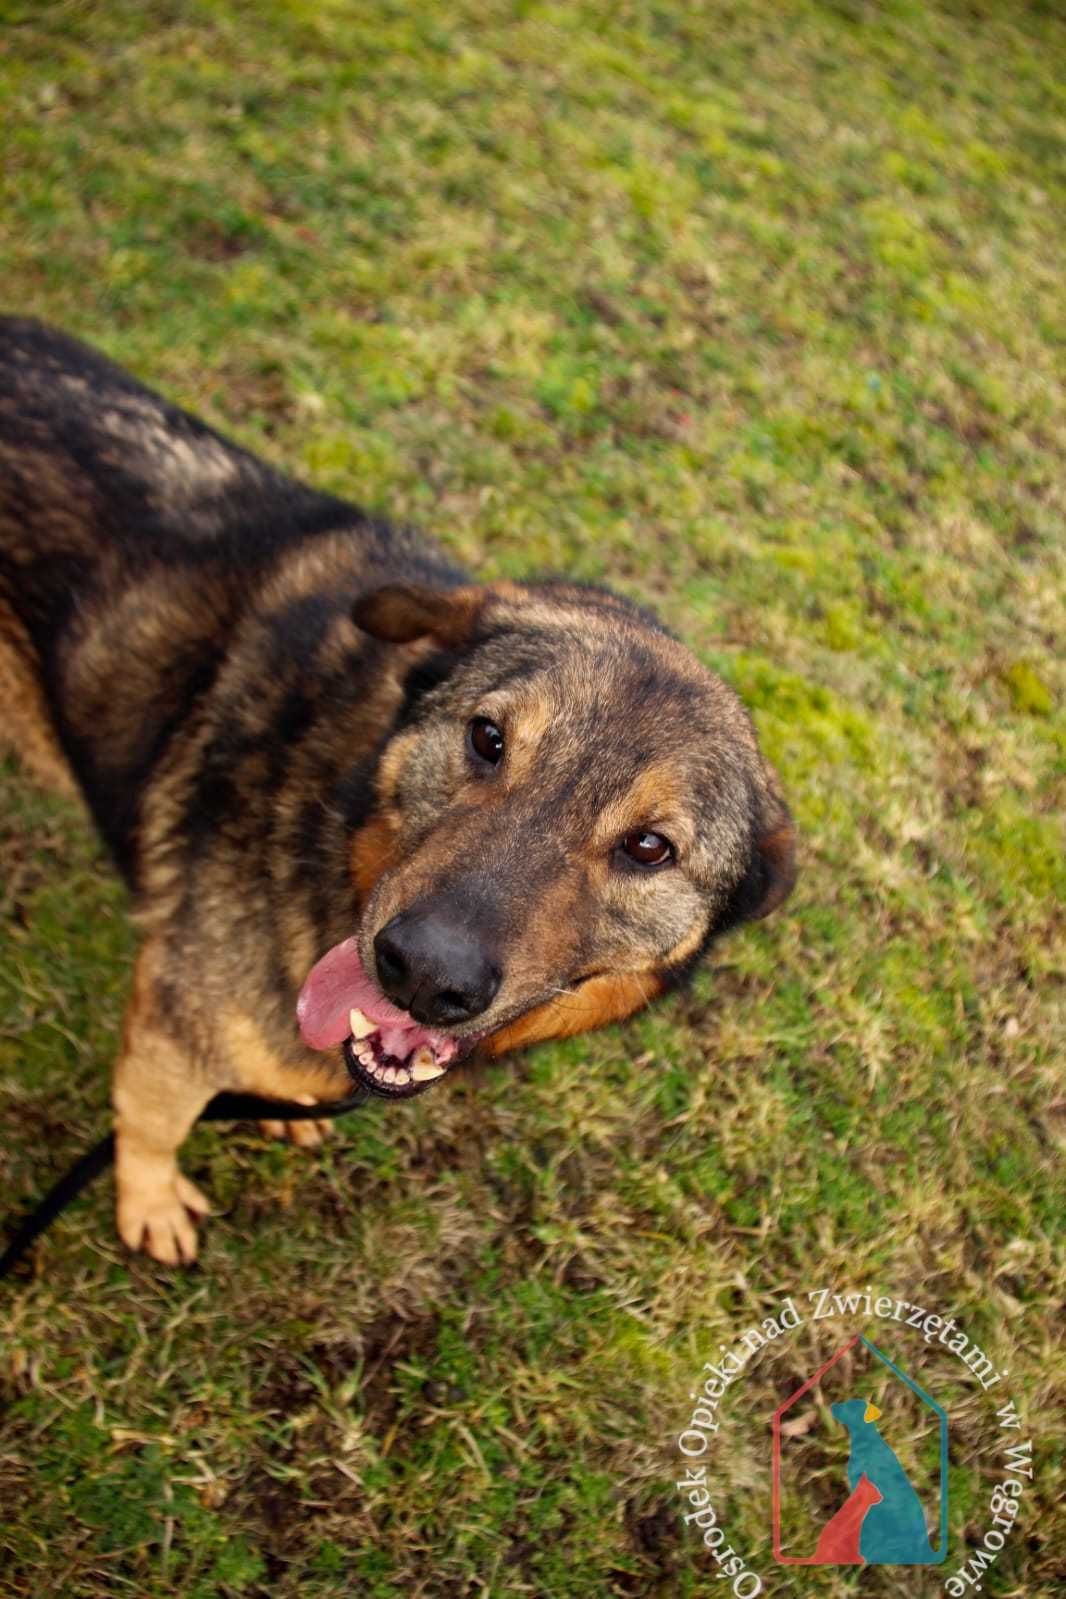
(486, 740)
(647, 849)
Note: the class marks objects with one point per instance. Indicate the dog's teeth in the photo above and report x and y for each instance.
(361, 1025)
(423, 1067)
(365, 1054)
(391, 1074)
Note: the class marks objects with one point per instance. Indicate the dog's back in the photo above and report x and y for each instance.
(116, 511)
(100, 478)
(133, 538)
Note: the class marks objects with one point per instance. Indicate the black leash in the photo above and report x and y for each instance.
(223, 1108)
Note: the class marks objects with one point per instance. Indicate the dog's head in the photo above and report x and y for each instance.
(568, 810)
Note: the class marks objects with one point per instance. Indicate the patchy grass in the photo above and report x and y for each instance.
(754, 311)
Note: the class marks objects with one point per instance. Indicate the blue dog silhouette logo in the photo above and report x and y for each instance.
(891, 1529)
(879, 1518)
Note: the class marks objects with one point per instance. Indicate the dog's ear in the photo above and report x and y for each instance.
(401, 612)
(771, 871)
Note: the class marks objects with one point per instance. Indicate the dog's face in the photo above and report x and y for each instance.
(569, 810)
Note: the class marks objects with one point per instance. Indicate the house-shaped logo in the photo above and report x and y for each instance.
(857, 1482)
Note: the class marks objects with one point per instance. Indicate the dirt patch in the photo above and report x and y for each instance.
(392, 1340)
(211, 241)
(654, 1534)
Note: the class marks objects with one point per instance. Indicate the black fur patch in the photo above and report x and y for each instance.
(427, 674)
(354, 794)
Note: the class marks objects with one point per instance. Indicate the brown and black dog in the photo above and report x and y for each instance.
(373, 816)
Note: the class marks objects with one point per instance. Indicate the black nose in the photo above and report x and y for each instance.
(435, 967)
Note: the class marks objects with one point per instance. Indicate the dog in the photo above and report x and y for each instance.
(375, 818)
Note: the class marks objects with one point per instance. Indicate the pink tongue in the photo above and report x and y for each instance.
(337, 984)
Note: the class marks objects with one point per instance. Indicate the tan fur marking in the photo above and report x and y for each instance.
(654, 797)
(599, 1000)
(529, 717)
(686, 946)
(157, 1094)
(391, 765)
(258, 1070)
(373, 852)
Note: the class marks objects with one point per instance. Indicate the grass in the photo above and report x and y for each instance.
(753, 311)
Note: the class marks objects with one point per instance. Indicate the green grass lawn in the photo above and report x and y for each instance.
(752, 310)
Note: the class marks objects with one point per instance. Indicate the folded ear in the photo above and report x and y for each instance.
(401, 612)
(771, 871)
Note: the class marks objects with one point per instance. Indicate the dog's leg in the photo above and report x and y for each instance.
(158, 1093)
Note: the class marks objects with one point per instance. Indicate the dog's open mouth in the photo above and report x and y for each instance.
(385, 1049)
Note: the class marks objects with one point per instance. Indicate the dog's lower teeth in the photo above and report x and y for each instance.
(391, 1073)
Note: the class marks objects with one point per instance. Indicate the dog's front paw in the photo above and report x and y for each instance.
(161, 1219)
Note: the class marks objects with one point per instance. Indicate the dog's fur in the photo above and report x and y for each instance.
(262, 695)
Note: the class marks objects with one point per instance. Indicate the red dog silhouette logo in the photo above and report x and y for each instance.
(879, 1517)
